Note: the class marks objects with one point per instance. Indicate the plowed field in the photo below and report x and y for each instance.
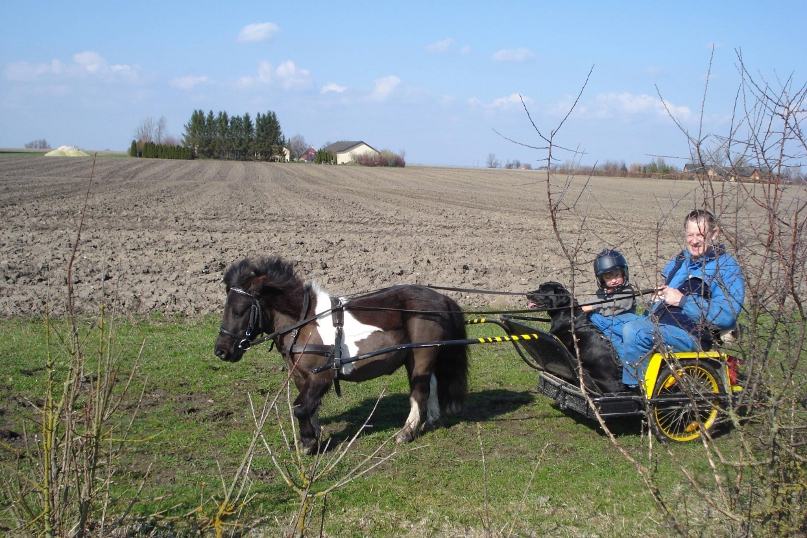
(158, 234)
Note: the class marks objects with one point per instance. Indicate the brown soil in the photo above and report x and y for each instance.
(158, 234)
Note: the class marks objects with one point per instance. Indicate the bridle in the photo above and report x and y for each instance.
(256, 321)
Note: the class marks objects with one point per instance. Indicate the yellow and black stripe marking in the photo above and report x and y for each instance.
(476, 321)
(509, 338)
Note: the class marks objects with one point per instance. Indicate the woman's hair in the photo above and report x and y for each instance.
(701, 215)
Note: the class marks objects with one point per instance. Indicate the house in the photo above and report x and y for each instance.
(708, 169)
(284, 158)
(752, 173)
(347, 151)
(309, 155)
(732, 173)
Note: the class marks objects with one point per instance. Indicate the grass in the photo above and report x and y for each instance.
(546, 471)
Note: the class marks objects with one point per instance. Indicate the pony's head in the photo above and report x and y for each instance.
(255, 289)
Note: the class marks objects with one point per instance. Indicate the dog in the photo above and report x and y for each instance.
(597, 355)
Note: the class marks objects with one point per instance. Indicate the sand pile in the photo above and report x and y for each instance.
(67, 151)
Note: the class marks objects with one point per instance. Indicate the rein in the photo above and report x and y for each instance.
(256, 321)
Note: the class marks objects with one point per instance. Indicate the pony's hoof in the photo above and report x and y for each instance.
(311, 447)
(405, 436)
(430, 425)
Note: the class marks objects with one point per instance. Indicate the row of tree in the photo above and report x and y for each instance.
(151, 150)
(222, 136)
(40, 143)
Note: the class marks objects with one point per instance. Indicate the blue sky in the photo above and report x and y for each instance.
(433, 79)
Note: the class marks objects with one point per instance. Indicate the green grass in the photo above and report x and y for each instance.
(195, 417)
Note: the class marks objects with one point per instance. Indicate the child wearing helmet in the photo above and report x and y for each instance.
(616, 302)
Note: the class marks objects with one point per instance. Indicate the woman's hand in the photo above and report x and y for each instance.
(669, 295)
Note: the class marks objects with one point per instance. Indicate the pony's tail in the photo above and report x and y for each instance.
(452, 366)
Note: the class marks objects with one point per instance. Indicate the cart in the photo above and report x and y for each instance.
(684, 394)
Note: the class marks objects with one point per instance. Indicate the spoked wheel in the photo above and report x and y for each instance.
(685, 401)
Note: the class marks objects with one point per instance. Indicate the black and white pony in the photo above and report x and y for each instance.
(265, 295)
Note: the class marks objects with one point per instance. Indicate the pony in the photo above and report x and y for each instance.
(597, 356)
(313, 331)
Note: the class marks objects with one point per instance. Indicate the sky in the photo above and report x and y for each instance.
(442, 82)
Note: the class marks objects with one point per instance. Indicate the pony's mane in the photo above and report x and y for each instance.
(278, 271)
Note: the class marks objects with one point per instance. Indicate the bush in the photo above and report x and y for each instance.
(384, 158)
(151, 150)
(324, 157)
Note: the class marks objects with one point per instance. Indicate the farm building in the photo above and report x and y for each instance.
(347, 151)
(708, 169)
(742, 173)
(284, 158)
(309, 155)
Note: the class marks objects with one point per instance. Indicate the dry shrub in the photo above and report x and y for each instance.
(59, 482)
(384, 158)
(757, 483)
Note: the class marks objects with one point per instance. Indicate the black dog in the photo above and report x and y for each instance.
(597, 355)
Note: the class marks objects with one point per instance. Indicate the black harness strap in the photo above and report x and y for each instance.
(338, 316)
(332, 352)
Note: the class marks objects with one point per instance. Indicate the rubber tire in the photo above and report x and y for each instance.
(687, 421)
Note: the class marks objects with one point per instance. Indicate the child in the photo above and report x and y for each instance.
(616, 304)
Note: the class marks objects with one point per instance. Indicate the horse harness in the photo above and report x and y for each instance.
(333, 352)
(257, 326)
(256, 322)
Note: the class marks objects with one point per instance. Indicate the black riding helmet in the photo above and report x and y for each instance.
(608, 260)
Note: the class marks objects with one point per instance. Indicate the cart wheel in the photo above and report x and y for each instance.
(689, 414)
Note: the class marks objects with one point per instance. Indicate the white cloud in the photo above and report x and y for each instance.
(264, 72)
(384, 87)
(89, 61)
(440, 46)
(188, 82)
(513, 55)
(85, 63)
(500, 103)
(332, 87)
(290, 76)
(607, 105)
(24, 71)
(447, 45)
(259, 31)
(287, 76)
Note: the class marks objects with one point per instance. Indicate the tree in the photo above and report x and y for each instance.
(247, 137)
(492, 162)
(222, 137)
(324, 157)
(160, 131)
(208, 135)
(194, 130)
(297, 146)
(145, 131)
(38, 144)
